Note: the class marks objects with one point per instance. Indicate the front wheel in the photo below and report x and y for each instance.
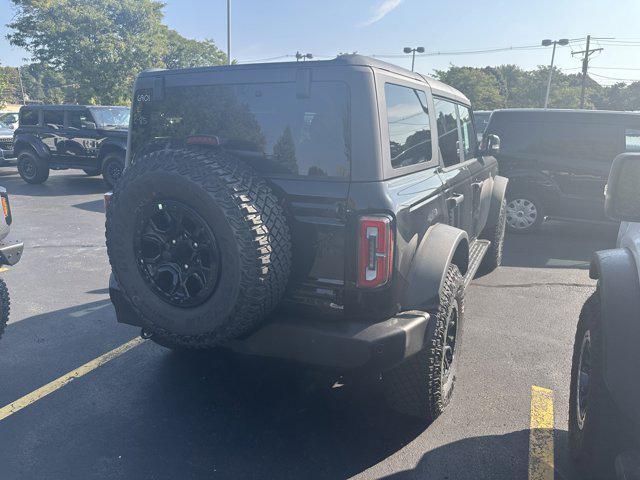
(32, 168)
(525, 213)
(597, 431)
(112, 168)
(422, 386)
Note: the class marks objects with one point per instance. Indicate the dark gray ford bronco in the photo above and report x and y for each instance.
(330, 213)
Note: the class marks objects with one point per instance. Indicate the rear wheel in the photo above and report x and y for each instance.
(4, 306)
(597, 431)
(422, 386)
(525, 213)
(493, 257)
(32, 168)
(112, 168)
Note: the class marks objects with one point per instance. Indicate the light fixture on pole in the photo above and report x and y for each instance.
(546, 43)
(413, 51)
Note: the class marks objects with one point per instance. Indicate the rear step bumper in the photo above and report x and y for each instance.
(336, 344)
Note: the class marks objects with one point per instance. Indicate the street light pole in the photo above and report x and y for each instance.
(546, 43)
(228, 32)
(413, 57)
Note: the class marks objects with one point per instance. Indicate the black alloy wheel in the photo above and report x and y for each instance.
(177, 253)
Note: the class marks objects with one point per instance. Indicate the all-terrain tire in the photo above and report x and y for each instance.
(5, 305)
(595, 441)
(112, 168)
(32, 168)
(416, 387)
(495, 234)
(250, 230)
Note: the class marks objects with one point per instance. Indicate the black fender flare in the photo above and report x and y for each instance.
(33, 142)
(619, 289)
(111, 145)
(497, 196)
(441, 245)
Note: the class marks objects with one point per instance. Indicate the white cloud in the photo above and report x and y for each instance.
(381, 10)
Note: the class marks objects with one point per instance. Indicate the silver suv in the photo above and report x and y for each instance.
(604, 409)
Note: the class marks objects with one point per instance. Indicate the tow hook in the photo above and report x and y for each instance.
(146, 334)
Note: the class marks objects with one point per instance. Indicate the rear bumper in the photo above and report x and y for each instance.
(331, 344)
(10, 252)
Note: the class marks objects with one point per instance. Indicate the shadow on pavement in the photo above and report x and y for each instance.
(58, 184)
(492, 457)
(93, 206)
(559, 245)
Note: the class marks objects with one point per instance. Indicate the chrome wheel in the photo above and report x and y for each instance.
(521, 214)
(583, 383)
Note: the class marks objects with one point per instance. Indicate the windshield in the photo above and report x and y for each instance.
(111, 116)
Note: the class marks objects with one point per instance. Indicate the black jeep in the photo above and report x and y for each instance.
(330, 213)
(60, 137)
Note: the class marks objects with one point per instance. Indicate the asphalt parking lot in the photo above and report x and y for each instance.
(151, 414)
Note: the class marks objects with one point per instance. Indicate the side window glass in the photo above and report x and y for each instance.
(78, 119)
(29, 118)
(54, 119)
(448, 137)
(632, 140)
(469, 138)
(409, 126)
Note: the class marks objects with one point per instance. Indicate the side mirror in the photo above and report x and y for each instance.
(490, 145)
(622, 195)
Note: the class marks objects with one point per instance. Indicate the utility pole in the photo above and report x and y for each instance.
(413, 58)
(585, 66)
(228, 32)
(546, 43)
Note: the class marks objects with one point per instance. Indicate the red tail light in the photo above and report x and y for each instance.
(375, 251)
(206, 140)
(107, 200)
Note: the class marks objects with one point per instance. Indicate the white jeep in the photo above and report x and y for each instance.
(604, 409)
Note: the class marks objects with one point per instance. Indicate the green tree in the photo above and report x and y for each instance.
(481, 87)
(100, 46)
(185, 53)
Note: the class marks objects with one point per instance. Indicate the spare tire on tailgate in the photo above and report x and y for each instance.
(199, 245)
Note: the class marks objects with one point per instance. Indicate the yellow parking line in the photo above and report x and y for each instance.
(541, 461)
(63, 380)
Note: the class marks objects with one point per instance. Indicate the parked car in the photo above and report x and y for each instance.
(10, 119)
(6, 143)
(60, 137)
(604, 410)
(558, 161)
(330, 213)
(10, 254)
(481, 119)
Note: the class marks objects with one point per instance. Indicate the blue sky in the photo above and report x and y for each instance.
(264, 29)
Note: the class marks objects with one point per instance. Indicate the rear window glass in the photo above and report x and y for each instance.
(269, 125)
(632, 140)
(409, 126)
(29, 117)
(562, 140)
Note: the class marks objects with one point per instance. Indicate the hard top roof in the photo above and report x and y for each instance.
(67, 107)
(438, 87)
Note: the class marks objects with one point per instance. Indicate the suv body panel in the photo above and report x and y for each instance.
(65, 146)
(568, 179)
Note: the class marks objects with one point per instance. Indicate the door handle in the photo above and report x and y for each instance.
(477, 185)
(455, 200)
